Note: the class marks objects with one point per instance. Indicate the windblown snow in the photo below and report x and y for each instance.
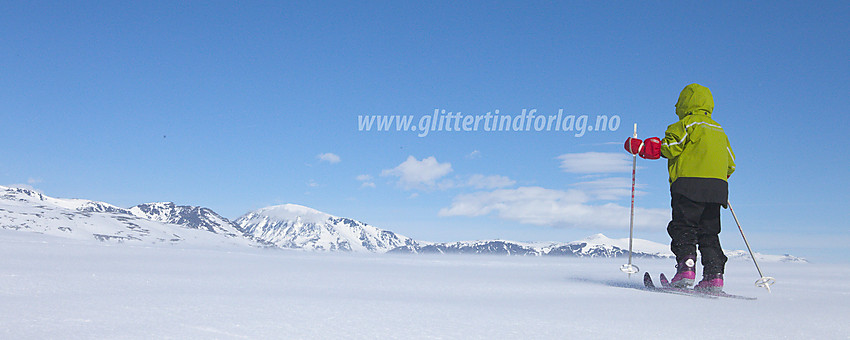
(75, 268)
(59, 288)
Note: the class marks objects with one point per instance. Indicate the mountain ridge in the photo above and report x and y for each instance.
(29, 210)
(300, 227)
(287, 226)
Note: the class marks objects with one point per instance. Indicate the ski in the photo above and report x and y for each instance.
(650, 286)
(665, 285)
(725, 295)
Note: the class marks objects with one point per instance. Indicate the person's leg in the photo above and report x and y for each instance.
(713, 259)
(683, 235)
(684, 226)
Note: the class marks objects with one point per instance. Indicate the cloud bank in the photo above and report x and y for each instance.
(557, 208)
(595, 162)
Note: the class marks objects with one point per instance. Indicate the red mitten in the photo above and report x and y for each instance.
(651, 148)
(633, 145)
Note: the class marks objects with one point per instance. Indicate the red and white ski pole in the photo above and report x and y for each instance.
(630, 268)
(764, 281)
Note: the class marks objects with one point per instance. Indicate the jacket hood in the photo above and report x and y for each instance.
(694, 99)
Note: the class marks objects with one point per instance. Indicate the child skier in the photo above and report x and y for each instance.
(700, 161)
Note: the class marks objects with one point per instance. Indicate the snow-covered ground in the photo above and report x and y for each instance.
(62, 288)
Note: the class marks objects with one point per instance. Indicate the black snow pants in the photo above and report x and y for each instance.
(696, 223)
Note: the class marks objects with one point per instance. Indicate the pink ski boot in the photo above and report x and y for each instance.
(685, 272)
(711, 283)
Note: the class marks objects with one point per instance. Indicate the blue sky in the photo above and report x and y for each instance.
(231, 105)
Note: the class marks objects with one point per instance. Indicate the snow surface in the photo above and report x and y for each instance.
(55, 287)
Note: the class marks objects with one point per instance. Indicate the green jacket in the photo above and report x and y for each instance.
(696, 146)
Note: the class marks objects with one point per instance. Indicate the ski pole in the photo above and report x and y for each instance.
(630, 268)
(763, 281)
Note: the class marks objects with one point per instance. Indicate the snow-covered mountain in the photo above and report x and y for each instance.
(492, 247)
(287, 226)
(744, 255)
(594, 246)
(299, 227)
(29, 210)
(597, 245)
(188, 216)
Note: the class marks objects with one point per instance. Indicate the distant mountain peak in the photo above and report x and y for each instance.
(294, 212)
(597, 238)
(299, 227)
(192, 217)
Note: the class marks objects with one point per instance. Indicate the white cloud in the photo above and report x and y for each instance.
(33, 181)
(595, 162)
(489, 182)
(475, 154)
(329, 157)
(416, 174)
(476, 181)
(610, 188)
(366, 181)
(557, 208)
